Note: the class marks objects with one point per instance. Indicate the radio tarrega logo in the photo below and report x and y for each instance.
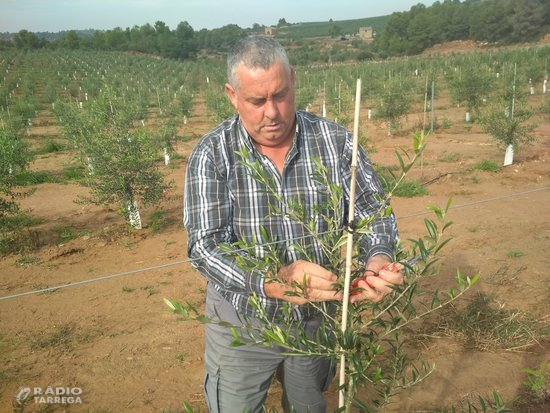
(62, 395)
(22, 393)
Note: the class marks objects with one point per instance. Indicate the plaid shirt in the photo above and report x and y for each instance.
(223, 204)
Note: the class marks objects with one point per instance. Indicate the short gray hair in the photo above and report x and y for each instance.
(255, 52)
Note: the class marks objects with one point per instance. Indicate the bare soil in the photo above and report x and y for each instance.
(115, 339)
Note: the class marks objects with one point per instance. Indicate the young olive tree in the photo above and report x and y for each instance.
(393, 105)
(340, 98)
(545, 107)
(14, 158)
(217, 102)
(166, 134)
(305, 91)
(185, 103)
(121, 158)
(506, 120)
(471, 85)
(509, 129)
(377, 362)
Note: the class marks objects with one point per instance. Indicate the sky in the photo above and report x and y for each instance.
(59, 15)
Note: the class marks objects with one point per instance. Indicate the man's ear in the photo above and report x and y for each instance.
(231, 94)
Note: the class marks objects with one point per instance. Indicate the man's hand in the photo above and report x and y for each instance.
(317, 282)
(377, 281)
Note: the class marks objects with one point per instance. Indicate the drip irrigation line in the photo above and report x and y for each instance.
(91, 280)
(190, 260)
(481, 201)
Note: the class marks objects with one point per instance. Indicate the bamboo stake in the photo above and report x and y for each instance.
(349, 251)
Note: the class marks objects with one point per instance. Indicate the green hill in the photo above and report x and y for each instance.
(319, 29)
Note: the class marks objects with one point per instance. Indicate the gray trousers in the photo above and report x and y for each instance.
(237, 378)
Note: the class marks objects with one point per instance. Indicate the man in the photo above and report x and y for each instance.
(223, 204)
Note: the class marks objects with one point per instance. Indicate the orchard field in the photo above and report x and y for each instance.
(114, 338)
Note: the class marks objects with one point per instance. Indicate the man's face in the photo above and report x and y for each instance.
(265, 102)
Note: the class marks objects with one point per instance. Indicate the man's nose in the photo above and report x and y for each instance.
(271, 109)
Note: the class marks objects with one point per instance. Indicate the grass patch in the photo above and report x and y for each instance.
(515, 254)
(16, 234)
(61, 338)
(188, 138)
(17, 221)
(67, 234)
(150, 290)
(486, 166)
(19, 241)
(450, 157)
(27, 260)
(28, 178)
(51, 146)
(158, 220)
(74, 173)
(471, 403)
(538, 382)
(483, 326)
(130, 245)
(408, 188)
(444, 123)
(181, 357)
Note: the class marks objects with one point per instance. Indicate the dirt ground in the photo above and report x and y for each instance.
(115, 340)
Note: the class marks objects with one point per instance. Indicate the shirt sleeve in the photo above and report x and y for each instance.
(370, 200)
(208, 221)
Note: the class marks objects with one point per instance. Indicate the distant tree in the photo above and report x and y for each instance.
(419, 33)
(164, 39)
(282, 22)
(392, 38)
(489, 21)
(71, 40)
(494, 21)
(185, 44)
(220, 39)
(161, 27)
(5, 44)
(98, 40)
(365, 54)
(441, 16)
(528, 20)
(146, 39)
(335, 31)
(27, 40)
(115, 39)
